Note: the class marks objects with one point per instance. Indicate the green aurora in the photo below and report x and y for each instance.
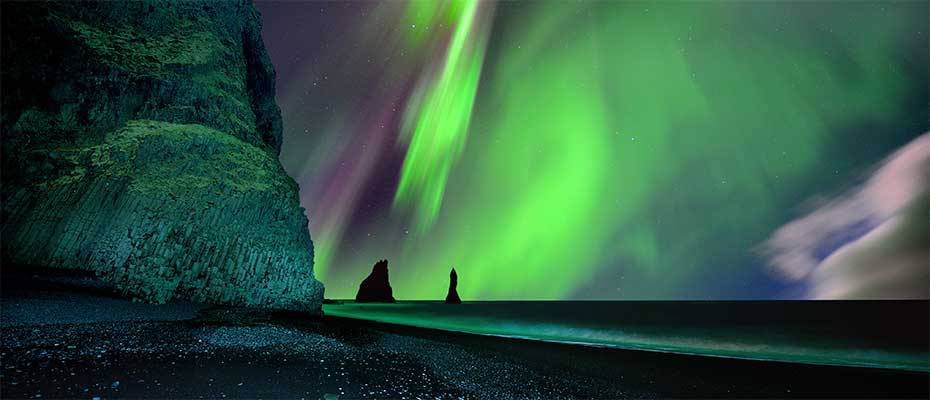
(606, 150)
(439, 119)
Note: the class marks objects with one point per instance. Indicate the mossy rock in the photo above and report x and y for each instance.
(140, 141)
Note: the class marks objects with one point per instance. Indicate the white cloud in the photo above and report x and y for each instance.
(891, 260)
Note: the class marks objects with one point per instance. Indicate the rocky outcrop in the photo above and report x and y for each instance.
(453, 296)
(376, 288)
(140, 141)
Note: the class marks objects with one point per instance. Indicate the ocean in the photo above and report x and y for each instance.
(877, 334)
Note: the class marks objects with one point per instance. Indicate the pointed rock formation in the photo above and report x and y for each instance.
(376, 288)
(453, 296)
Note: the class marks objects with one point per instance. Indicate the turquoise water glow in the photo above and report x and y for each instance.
(862, 334)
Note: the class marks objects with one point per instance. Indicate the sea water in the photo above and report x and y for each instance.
(880, 334)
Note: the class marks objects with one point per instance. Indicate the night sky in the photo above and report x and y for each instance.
(605, 150)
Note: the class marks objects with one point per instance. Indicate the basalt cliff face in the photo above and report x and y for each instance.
(140, 141)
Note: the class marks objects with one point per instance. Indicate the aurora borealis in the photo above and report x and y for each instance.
(584, 150)
(437, 116)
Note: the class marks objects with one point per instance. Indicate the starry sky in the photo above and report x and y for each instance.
(586, 150)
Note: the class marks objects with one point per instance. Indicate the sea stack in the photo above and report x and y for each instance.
(453, 296)
(376, 288)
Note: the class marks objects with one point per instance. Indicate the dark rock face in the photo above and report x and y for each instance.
(453, 296)
(140, 141)
(376, 287)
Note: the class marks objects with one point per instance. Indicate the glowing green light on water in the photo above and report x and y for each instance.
(437, 121)
(519, 320)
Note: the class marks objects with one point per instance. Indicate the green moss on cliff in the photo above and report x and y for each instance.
(140, 142)
(184, 159)
(168, 210)
(141, 54)
(93, 66)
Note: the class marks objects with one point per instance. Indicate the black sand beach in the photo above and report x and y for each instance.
(62, 343)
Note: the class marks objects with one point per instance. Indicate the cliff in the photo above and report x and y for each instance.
(140, 141)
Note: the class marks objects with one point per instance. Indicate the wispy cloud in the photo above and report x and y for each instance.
(872, 242)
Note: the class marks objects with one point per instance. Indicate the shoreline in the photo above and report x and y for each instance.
(606, 347)
(873, 340)
(81, 344)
